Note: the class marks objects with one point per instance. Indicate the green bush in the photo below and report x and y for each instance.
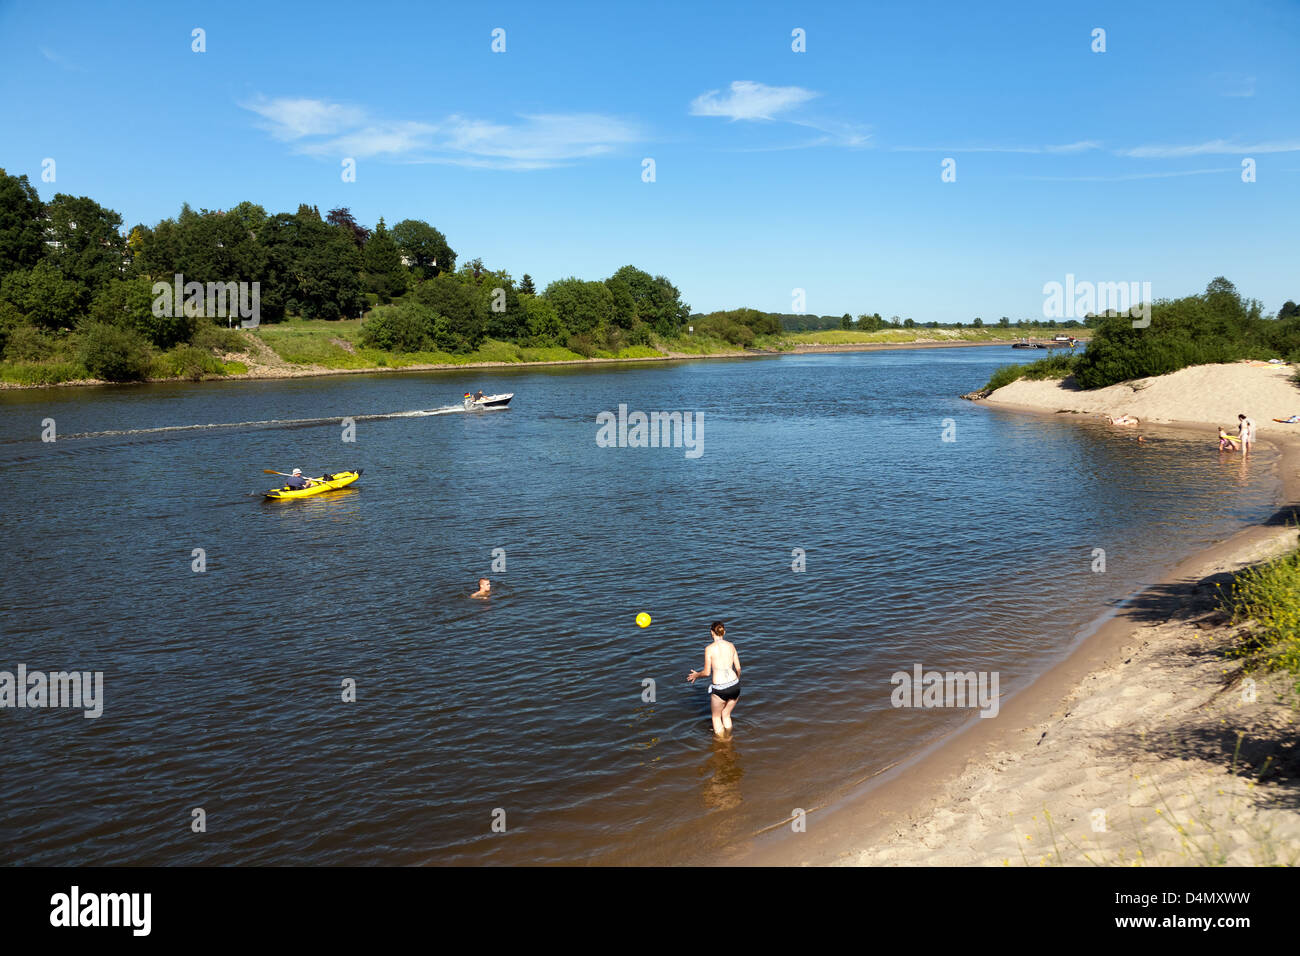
(408, 327)
(582, 344)
(1054, 366)
(1268, 595)
(29, 344)
(113, 354)
(187, 362)
(1004, 375)
(214, 338)
(1217, 326)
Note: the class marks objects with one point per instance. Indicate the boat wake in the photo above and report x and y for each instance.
(268, 423)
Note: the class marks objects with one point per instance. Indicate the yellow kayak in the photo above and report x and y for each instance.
(340, 479)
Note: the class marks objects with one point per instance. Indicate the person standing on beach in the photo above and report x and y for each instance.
(1246, 429)
(722, 663)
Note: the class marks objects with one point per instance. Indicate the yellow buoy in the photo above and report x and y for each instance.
(643, 619)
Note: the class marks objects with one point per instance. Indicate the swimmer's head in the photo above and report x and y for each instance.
(717, 628)
(484, 583)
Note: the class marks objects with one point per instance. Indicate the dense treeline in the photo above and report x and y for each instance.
(1215, 326)
(74, 286)
(875, 323)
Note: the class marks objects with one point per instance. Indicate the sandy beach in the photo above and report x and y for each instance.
(1145, 746)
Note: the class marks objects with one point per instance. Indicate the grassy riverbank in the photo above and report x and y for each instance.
(301, 347)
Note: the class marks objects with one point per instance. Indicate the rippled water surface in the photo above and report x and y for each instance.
(223, 688)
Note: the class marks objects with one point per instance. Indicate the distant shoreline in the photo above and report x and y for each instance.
(308, 371)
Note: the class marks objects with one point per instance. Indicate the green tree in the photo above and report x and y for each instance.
(342, 218)
(128, 304)
(544, 325)
(624, 314)
(846, 322)
(526, 285)
(585, 308)
(87, 244)
(44, 295)
(314, 268)
(1289, 310)
(658, 302)
(978, 323)
(22, 229)
(424, 248)
(462, 308)
(383, 264)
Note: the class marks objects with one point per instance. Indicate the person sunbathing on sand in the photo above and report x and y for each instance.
(1226, 441)
(1128, 420)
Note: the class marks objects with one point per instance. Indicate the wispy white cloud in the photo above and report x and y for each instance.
(290, 118)
(748, 100)
(320, 128)
(1214, 147)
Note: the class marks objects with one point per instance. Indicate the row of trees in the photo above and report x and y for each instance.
(68, 262)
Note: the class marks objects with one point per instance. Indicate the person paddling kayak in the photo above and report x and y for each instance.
(296, 480)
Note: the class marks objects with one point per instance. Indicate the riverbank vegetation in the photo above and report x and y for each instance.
(1266, 600)
(1214, 327)
(78, 300)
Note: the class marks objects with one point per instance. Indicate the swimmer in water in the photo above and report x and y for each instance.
(722, 663)
(484, 588)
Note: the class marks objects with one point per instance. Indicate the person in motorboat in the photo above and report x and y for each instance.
(478, 396)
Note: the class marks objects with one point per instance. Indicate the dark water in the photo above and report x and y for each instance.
(223, 688)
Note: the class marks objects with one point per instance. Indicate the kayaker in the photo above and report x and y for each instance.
(296, 480)
(484, 588)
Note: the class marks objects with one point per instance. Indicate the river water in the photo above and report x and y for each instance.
(846, 515)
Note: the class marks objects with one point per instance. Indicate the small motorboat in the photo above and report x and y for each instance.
(489, 401)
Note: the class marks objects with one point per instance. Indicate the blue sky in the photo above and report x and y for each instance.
(775, 170)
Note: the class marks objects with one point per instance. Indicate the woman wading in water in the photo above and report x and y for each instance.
(722, 663)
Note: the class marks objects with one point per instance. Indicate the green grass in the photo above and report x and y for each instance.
(1268, 596)
(309, 342)
(41, 373)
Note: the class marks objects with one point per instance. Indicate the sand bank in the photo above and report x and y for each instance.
(1145, 745)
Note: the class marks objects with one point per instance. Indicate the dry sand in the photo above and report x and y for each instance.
(1146, 745)
(1209, 394)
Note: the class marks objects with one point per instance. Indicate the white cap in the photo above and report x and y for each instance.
(297, 471)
